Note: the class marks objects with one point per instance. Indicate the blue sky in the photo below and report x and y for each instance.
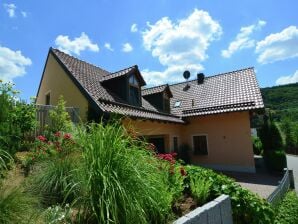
(163, 37)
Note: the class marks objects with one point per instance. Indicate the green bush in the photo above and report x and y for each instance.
(275, 160)
(123, 182)
(287, 210)
(257, 146)
(247, 207)
(59, 118)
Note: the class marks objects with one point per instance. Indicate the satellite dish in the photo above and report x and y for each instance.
(186, 74)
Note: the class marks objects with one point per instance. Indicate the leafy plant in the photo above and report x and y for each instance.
(275, 160)
(248, 208)
(59, 118)
(287, 210)
(123, 182)
(200, 189)
(58, 215)
(257, 145)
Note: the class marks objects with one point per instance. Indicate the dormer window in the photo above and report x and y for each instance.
(134, 91)
(177, 104)
(166, 103)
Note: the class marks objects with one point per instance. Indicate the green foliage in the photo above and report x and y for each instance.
(247, 207)
(58, 215)
(270, 135)
(200, 189)
(123, 182)
(257, 145)
(275, 160)
(287, 210)
(53, 180)
(16, 206)
(16, 118)
(59, 118)
(5, 158)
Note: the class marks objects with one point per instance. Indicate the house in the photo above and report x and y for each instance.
(210, 114)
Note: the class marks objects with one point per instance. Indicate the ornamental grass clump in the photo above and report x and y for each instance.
(123, 182)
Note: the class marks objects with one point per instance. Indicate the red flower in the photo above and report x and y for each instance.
(182, 171)
(67, 136)
(58, 134)
(42, 138)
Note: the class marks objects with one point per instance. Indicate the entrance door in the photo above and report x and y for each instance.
(159, 143)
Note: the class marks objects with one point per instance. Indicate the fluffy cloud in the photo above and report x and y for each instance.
(127, 47)
(108, 46)
(76, 45)
(179, 45)
(10, 9)
(12, 64)
(287, 79)
(243, 39)
(278, 46)
(134, 28)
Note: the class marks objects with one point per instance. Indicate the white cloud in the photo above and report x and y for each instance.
(10, 9)
(108, 46)
(287, 79)
(12, 64)
(127, 47)
(243, 39)
(76, 45)
(278, 46)
(134, 28)
(24, 14)
(179, 45)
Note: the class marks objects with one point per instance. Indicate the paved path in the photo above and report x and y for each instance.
(293, 164)
(262, 184)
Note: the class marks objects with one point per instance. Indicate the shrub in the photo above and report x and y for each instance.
(59, 118)
(287, 210)
(247, 207)
(257, 146)
(275, 160)
(123, 182)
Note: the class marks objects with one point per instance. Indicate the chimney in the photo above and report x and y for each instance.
(200, 78)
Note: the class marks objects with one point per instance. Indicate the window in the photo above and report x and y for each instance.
(175, 144)
(200, 144)
(166, 103)
(177, 104)
(48, 99)
(134, 91)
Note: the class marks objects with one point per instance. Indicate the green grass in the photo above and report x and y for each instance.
(287, 210)
(122, 181)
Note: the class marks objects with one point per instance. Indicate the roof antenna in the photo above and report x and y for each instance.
(186, 75)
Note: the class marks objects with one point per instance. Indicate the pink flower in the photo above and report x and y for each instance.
(42, 138)
(67, 136)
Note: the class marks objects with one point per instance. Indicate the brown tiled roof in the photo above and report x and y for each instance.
(90, 78)
(227, 92)
(156, 89)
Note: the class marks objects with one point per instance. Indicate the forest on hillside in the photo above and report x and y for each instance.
(282, 101)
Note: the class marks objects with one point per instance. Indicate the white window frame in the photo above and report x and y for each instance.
(192, 143)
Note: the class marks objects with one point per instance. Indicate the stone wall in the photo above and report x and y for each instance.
(218, 211)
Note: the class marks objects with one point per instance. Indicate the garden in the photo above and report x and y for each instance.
(102, 173)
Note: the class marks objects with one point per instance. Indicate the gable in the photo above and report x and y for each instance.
(56, 82)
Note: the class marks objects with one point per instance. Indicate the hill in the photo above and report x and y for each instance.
(283, 100)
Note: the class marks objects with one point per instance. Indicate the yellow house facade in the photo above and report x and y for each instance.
(209, 114)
